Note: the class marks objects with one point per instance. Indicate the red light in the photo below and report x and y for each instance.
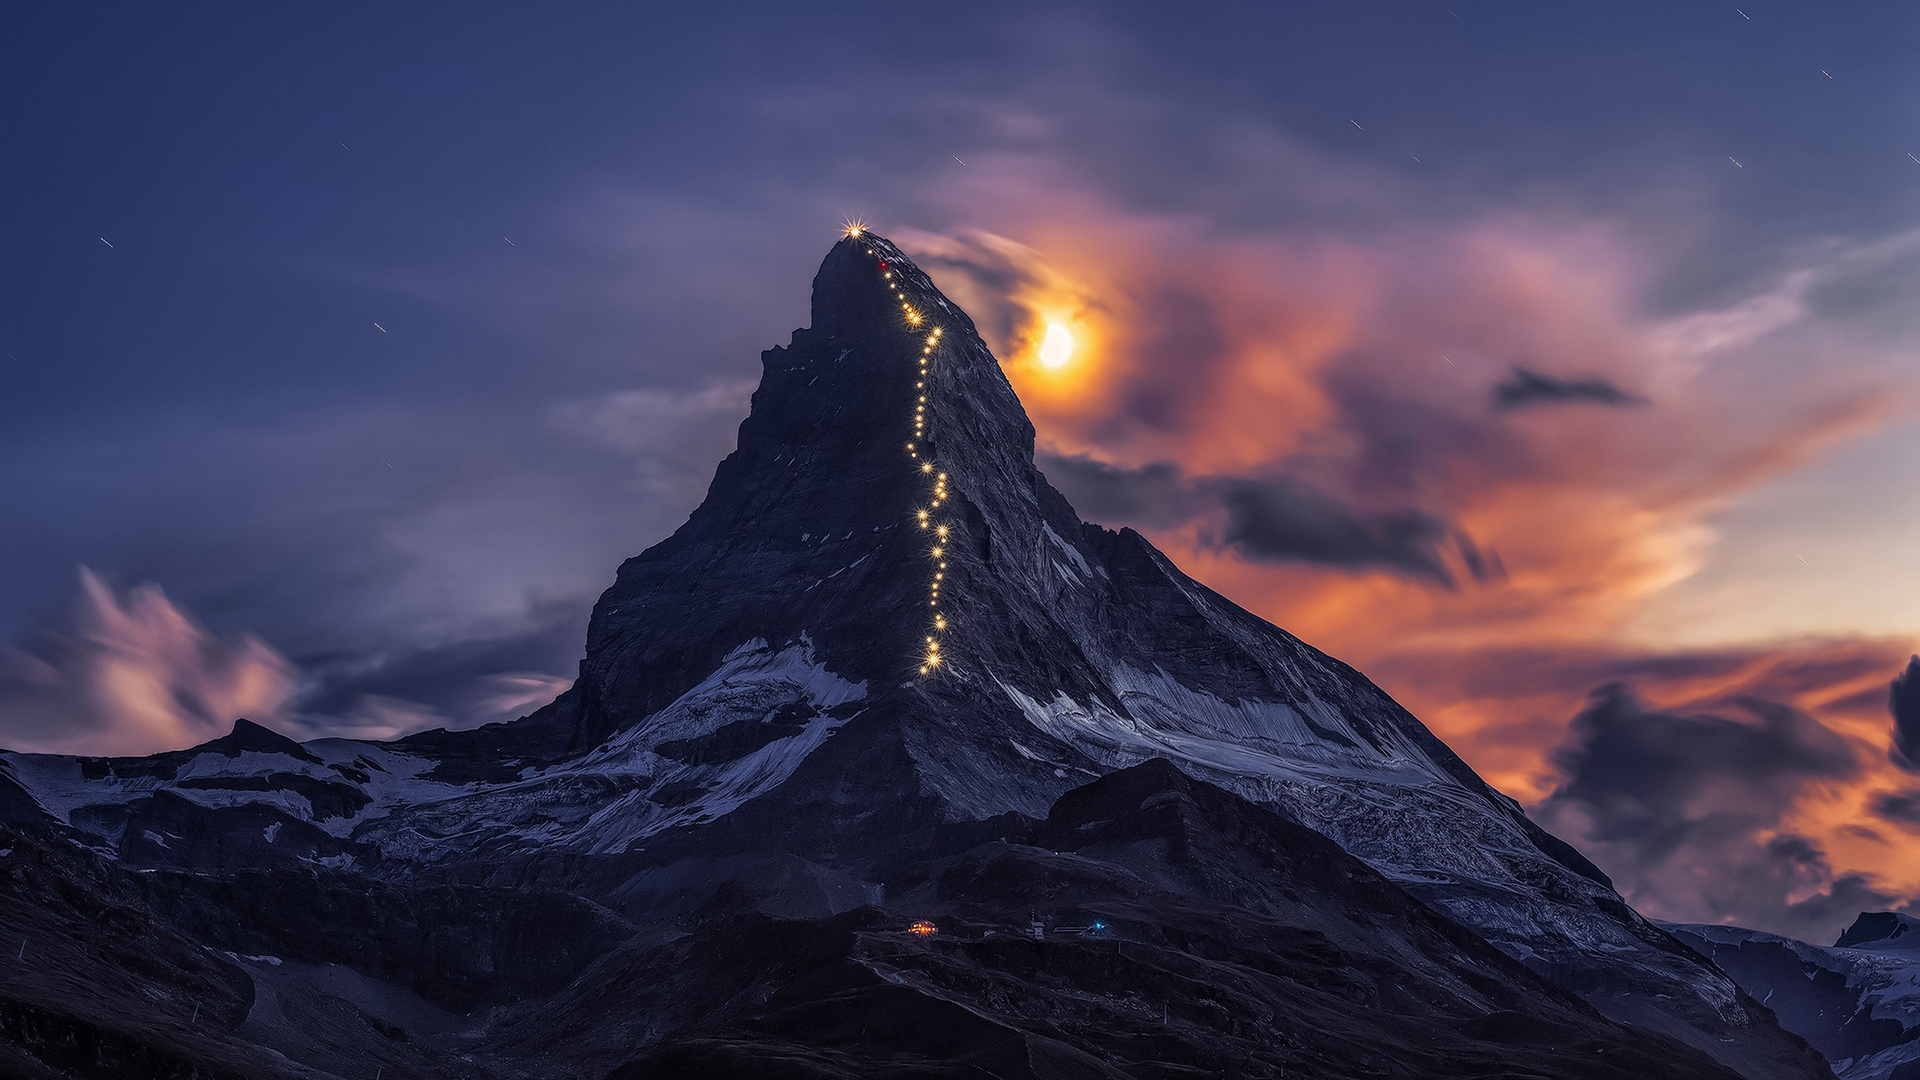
(922, 928)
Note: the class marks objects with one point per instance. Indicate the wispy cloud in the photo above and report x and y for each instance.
(132, 674)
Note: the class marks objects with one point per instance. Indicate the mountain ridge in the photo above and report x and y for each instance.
(1857, 1001)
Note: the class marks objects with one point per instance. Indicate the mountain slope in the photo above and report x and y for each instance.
(1857, 1001)
(882, 628)
(1223, 941)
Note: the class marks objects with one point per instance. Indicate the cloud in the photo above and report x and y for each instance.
(1269, 519)
(134, 674)
(1356, 363)
(493, 672)
(1356, 369)
(1155, 495)
(1688, 812)
(1654, 778)
(1284, 520)
(1902, 808)
(1903, 700)
(1525, 388)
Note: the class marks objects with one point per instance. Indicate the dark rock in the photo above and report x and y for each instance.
(1880, 930)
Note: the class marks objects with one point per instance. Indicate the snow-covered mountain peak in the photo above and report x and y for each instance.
(883, 630)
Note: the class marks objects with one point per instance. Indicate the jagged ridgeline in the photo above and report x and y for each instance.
(883, 675)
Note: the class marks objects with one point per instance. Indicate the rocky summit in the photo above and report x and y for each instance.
(883, 764)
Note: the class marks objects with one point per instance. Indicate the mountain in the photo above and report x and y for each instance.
(1857, 1001)
(883, 640)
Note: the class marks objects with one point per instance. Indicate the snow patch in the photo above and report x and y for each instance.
(691, 762)
(1072, 552)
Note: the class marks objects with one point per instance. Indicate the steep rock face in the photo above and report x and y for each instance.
(882, 629)
(1857, 1001)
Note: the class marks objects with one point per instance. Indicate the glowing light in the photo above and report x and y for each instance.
(1057, 347)
(855, 228)
(922, 928)
(931, 658)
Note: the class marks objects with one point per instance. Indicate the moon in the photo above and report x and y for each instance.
(1057, 347)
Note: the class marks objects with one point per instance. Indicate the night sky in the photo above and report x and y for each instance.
(1552, 364)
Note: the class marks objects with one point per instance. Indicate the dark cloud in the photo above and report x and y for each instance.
(1902, 808)
(1684, 811)
(1526, 388)
(1864, 832)
(1286, 521)
(1271, 519)
(1657, 779)
(1153, 496)
(491, 675)
(1903, 700)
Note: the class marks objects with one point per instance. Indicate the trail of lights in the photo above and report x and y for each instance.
(928, 518)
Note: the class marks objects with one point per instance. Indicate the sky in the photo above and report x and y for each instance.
(1552, 364)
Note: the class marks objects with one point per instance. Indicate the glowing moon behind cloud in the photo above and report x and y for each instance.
(1057, 347)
